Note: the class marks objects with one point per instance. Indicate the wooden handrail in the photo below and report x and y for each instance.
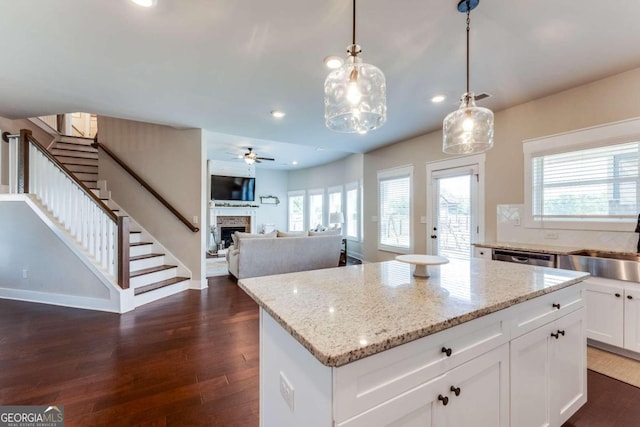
(26, 136)
(142, 182)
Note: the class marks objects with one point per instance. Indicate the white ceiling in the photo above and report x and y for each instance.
(223, 65)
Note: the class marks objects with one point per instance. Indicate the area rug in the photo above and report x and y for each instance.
(217, 267)
(614, 366)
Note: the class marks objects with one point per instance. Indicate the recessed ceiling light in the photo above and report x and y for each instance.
(333, 62)
(278, 114)
(438, 98)
(295, 162)
(145, 3)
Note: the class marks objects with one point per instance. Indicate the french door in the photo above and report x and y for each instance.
(454, 221)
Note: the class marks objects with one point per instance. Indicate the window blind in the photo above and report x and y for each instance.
(395, 215)
(596, 183)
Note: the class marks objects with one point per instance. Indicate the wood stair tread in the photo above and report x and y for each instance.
(94, 151)
(158, 285)
(140, 243)
(146, 256)
(150, 270)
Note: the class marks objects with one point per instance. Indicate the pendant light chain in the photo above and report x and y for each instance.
(353, 50)
(468, 26)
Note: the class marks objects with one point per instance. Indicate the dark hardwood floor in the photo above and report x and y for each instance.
(188, 360)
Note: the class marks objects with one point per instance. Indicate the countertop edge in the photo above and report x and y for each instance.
(369, 350)
(558, 250)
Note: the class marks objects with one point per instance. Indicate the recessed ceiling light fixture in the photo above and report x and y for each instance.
(145, 3)
(278, 114)
(333, 62)
(438, 98)
(295, 162)
(355, 97)
(469, 129)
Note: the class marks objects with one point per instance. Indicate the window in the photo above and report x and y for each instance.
(296, 211)
(352, 212)
(588, 185)
(394, 211)
(316, 207)
(335, 203)
(595, 183)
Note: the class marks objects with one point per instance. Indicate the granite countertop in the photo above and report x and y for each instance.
(545, 249)
(347, 313)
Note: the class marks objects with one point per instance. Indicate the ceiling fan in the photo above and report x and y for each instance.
(252, 157)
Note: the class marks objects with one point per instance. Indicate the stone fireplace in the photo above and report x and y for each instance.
(228, 224)
(228, 220)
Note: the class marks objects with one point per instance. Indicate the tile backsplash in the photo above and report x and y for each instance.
(510, 230)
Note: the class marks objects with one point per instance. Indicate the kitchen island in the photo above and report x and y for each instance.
(479, 343)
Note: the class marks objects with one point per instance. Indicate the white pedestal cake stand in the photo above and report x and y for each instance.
(421, 262)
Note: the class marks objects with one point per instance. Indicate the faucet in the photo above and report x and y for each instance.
(638, 231)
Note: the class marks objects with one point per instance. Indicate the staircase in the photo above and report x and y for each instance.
(152, 272)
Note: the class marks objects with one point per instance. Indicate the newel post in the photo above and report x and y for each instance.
(123, 252)
(23, 161)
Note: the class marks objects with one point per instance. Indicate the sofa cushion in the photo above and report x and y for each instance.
(292, 233)
(238, 235)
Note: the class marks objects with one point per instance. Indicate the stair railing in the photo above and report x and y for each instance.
(100, 232)
(154, 193)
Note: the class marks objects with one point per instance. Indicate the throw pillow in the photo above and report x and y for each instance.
(329, 232)
(293, 233)
(238, 236)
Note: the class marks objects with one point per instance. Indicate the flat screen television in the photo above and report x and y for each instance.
(233, 188)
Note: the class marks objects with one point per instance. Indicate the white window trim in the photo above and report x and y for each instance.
(397, 172)
(348, 187)
(295, 193)
(591, 137)
(316, 192)
(451, 167)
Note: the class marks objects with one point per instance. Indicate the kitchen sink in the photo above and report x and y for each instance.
(610, 265)
(611, 255)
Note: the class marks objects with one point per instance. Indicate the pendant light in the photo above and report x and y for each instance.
(469, 129)
(354, 94)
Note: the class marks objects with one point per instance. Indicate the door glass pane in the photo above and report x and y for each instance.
(454, 217)
(352, 213)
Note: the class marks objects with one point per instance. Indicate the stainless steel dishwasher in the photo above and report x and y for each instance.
(524, 257)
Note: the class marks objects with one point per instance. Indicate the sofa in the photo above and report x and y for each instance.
(254, 256)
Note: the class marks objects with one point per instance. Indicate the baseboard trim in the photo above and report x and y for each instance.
(73, 301)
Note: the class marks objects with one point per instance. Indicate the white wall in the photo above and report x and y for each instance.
(604, 101)
(271, 182)
(173, 162)
(54, 273)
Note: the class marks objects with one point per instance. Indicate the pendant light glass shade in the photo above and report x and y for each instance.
(469, 129)
(355, 97)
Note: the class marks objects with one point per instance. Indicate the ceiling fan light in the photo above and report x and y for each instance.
(249, 160)
(469, 129)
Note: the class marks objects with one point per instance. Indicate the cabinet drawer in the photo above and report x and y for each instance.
(363, 384)
(482, 399)
(535, 313)
(484, 253)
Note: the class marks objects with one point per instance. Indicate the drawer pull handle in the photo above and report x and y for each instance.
(456, 390)
(556, 335)
(554, 305)
(443, 399)
(629, 297)
(617, 295)
(447, 351)
(561, 332)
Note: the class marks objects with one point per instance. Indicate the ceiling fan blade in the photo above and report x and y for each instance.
(257, 160)
(266, 158)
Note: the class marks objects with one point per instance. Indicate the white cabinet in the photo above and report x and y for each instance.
(484, 253)
(548, 372)
(613, 312)
(475, 393)
(632, 318)
(605, 311)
